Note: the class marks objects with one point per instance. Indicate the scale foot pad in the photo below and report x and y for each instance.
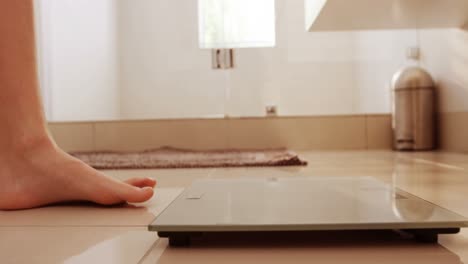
(430, 235)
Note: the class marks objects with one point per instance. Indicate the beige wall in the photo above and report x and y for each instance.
(140, 60)
(357, 132)
(445, 55)
(165, 75)
(78, 59)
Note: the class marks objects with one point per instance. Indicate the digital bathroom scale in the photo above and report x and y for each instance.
(301, 204)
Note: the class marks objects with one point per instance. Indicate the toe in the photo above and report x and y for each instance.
(111, 191)
(141, 182)
(137, 195)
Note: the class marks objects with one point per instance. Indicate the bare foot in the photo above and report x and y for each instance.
(44, 175)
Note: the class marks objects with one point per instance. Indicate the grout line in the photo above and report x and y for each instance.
(94, 136)
(144, 258)
(285, 117)
(227, 134)
(439, 164)
(366, 133)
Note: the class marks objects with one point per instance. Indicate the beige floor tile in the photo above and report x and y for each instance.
(457, 244)
(46, 245)
(386, 166)
(355, 158)
(441, 178)
(454, 160)
(91, 215)
(155, 253)
(445, 188)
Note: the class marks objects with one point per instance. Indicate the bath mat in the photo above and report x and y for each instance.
(165, 158)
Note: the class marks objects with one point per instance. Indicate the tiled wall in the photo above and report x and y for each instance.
(358, 132)
(445, 55)
(453, 131)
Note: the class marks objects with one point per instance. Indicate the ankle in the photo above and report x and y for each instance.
(27, 146)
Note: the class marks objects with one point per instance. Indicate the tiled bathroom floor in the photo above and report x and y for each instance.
(84, 233)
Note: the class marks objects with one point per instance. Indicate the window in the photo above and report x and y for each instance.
(236, 23)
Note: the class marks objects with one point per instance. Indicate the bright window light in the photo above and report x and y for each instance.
(236, 23)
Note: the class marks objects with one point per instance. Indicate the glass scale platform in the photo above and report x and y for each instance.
(301, 204)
